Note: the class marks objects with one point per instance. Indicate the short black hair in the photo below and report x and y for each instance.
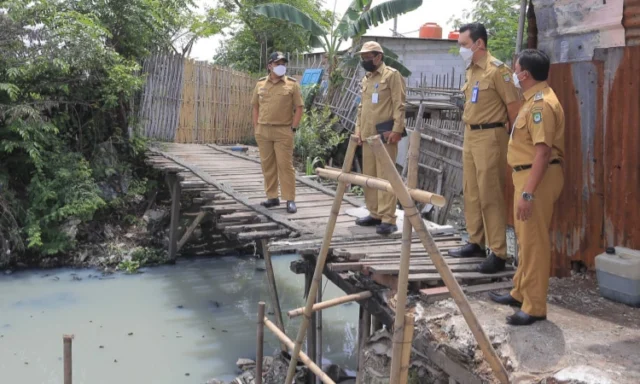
(536, 62)
(477, 31)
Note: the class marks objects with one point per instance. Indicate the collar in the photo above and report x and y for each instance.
(283, 79)
(482, 63)
(379, 70)
(529, 93)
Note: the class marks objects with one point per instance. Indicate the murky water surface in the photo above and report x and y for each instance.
(173, 324)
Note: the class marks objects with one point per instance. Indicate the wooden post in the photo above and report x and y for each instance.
(406, 348)
(68, 366)
(303, 357)
(364, 332)
(260, 345)
(174, 188)
(273, 289)
(319, 333)
(311, 331)
(418, 127)
(430, 246)
(405, 258)
(322, 257)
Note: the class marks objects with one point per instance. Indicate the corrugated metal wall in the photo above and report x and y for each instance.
(631, 21)
(600, 204)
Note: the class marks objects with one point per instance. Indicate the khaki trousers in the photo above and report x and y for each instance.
(381, 205)
(484, 162)
(531, 282)
(276, 156)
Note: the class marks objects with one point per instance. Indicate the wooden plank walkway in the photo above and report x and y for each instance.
(229, 186)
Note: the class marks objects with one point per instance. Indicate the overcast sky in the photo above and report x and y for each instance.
(430, 11)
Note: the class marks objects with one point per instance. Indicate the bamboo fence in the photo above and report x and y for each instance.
(187, 101)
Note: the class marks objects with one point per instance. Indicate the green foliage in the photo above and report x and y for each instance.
(68, 73)
(500, 17)
(357, 20)
(252, 38)
(316, 137)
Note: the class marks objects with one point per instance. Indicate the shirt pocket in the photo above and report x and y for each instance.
(519, 126)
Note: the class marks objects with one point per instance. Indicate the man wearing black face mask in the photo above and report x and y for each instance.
(383, 98)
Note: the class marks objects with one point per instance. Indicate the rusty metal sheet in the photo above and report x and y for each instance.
(621, 147)
(570, 30)
(631, 21)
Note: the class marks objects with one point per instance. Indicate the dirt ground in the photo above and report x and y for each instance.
(586, 339)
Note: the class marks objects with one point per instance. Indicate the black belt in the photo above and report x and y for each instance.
(519, 168)
(485, 126)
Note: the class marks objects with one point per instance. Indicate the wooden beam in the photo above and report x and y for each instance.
(331, 303)
(280, 219)
(194, 224)
(175, 189)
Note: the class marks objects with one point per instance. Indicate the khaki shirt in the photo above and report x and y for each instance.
(388, 83)
(277, 101)
(540, 120)
(495, 91)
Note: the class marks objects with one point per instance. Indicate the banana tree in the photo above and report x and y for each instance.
(357, 20)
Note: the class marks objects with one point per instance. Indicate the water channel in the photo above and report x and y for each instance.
(185, 323)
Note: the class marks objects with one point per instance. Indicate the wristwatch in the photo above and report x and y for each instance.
(527, 196)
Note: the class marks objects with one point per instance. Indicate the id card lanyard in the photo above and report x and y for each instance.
(474, 92)
(374, 96)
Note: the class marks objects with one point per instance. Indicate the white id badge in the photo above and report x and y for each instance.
(374, 98)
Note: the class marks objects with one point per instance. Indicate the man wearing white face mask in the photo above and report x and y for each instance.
(277, 110)
(491, 102)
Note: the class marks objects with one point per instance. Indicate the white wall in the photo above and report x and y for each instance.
(426, 57)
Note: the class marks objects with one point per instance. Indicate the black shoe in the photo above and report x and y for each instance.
(270, 203)
(368, 221)
(504, 299)
(521, 318)
(386, 229)
(291, 207)
(468, 250)
(492, 264)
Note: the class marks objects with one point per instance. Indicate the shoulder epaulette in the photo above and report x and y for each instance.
(539, 96)
(262, 78)
(291, 78)
(497, 63)
(392, 69)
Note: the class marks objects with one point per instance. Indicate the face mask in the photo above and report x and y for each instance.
(516, 81)
(368, 65)
(467, 55)
(280, 70)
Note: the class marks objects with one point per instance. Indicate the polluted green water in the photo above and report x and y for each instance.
(186, 323)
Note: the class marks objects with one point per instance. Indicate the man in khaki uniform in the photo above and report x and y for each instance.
(536, 152)
(383, 98)
(491, 101)
(277, 110)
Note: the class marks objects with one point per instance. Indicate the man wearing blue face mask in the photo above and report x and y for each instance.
(277, 110)
(491, 102)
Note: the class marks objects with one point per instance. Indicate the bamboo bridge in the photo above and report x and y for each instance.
(226, 186)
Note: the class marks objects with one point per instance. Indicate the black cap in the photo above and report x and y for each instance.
(275, 56)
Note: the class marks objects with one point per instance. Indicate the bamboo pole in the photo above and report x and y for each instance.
(303, 357)
(68, 364)
(411, 212)
(406, 348)
(260, 345)
(379, 184)
(322, 256)
(273, 289)
(319, 334)
(363, 335)
(403, 275)
(331, 303)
